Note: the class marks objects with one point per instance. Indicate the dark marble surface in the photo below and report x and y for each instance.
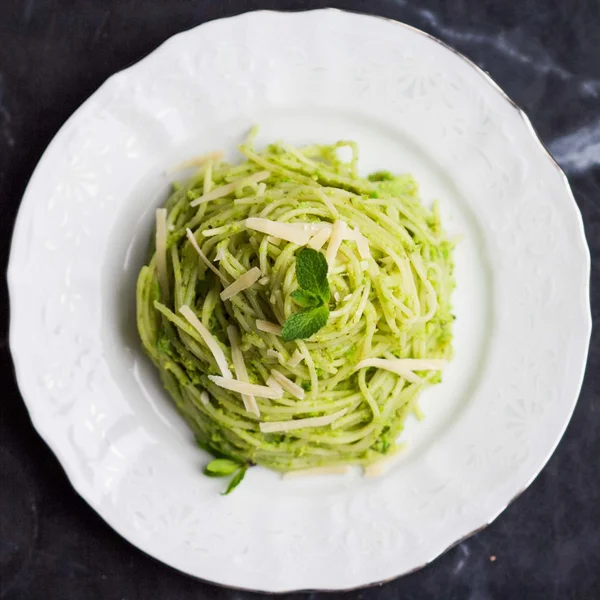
(545, 54)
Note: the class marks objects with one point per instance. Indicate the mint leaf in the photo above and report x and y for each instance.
(311, 273)
(313, 295)
(221, 467)
(235, 480)
(306, 299)
(304, 323)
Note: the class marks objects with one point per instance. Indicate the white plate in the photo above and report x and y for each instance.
(523, 319)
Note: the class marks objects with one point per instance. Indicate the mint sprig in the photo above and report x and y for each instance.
(313, 296)
(223, 467)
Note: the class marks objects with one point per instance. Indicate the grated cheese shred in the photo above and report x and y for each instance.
(276, 426)
(242, 387)
(161, 252)
(243, 282)
(209, 340)
(240, 369)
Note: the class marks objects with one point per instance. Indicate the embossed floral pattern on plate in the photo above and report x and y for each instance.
(522, 300)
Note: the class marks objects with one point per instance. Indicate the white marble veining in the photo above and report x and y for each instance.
(579, 150)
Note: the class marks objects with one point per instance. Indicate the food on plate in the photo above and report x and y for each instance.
(296, 310)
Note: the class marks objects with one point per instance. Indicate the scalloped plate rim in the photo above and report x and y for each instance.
(46, 435)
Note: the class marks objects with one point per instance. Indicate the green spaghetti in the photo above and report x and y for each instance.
(295, 310)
